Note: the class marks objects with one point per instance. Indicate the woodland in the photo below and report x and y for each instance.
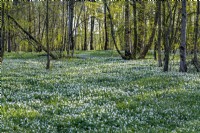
(99, 66)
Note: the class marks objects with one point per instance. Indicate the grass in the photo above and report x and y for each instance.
(97, 93)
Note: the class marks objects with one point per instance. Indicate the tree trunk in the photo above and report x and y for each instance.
(92, 33)
(105, 28)
(195, 59)
(167, 31)
(70, 26)
(31, 37)
(196, 32)
(9, 32)
(2, 32)
(183, 65)
(63, 29)
(173, 32)
(159, 36)
(29, 25)
(112, 31)
(135, 29)
(155, 51)
(9, 38)
(148, 46)
(39, 49)
(85, 29)
(128, 52)
(47, 36)
(100, 35)
(75, 28)
(65, 46)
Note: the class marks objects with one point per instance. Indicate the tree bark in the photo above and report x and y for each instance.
(9, 32)
(100, 34)
(183, 65)
(70, 26)
(76, 26)
(39, 49)
(159, 36)
(105, 27)
(167, 30)
(47, 35)
(63, 29)
(173, 32)
(2, 37)
(135, 29)
(128, 52)
(92, 18)
(85, 29)
(196, 31)
(92, 33)
(29, 24)
(195, 59)
(164, 35)
(155, 51)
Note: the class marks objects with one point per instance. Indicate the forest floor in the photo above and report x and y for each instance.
(98, 92)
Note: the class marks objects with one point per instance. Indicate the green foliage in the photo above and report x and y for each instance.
(97, 92)
(145, 10)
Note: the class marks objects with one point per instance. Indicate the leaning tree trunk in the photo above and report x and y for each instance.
(148, 46)
(183, 65)
(31, 37)
(113, 31)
